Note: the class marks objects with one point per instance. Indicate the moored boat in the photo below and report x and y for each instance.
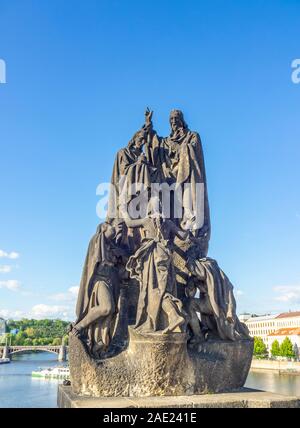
(52, 373)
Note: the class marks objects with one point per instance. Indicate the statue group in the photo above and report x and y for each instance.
(147, 275)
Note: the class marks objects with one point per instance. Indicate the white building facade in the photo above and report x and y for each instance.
(268, 326)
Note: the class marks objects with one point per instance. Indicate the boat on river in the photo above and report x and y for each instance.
(52, 373)
(4, 360)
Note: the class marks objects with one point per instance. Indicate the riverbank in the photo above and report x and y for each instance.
(280, 367)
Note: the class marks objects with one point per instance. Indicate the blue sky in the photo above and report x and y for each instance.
(79, 76)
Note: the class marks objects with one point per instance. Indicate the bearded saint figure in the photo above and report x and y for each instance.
(179, 158)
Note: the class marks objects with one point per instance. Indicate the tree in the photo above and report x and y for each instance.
(30, 331)
(260, 349)
(46, 329)
(66, 340)
(275, 349)
(20, 338)
(286, 348)
(296, 351)
(27, 342)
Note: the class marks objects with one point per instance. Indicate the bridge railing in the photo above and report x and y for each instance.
(59, 350)
(16, 348)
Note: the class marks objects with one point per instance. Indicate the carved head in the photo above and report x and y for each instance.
(108, 231)
(139, 139)
(177, 121)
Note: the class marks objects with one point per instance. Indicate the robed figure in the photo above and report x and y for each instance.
(180, 162)
(99, 291)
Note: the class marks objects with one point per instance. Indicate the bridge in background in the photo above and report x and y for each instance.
(8, 351)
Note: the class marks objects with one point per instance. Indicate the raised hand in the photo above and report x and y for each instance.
(148, 116)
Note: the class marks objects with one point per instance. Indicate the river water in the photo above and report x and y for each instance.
(19, 389)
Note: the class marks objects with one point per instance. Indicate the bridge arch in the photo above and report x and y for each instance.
(19, 351)
(61, 351)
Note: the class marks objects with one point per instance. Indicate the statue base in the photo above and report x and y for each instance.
(241, 399)
(160, 365)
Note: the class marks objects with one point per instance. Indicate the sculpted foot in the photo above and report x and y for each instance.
(75, 331)
(174, 324)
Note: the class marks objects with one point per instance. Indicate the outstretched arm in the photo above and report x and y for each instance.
(133, 223)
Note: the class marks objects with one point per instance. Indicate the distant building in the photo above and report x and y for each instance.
(244, 317)
(272, 327)
(292, 333)
(288, 319)
(2, 327)
(261, 326)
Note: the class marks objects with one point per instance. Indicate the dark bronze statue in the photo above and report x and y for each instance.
(137, 247)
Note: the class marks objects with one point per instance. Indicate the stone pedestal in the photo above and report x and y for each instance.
(241, 399)
(160, 365)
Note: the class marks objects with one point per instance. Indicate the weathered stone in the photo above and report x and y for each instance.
(161, 365)
(244, 398)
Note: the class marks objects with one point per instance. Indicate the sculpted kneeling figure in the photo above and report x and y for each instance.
(216, 304)
(99, 291)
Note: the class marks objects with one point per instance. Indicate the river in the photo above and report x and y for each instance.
(19, 389)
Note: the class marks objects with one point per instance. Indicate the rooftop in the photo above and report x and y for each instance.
(261, 318)
(286, 332)
(288, 315)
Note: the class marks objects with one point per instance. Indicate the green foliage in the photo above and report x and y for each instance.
(66, 340)
(286, 348)
(37, 332)
(27, 342)
(275, 349)
(260, 349)
(296, 351)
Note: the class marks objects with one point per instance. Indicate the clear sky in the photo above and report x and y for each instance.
(79, 76)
